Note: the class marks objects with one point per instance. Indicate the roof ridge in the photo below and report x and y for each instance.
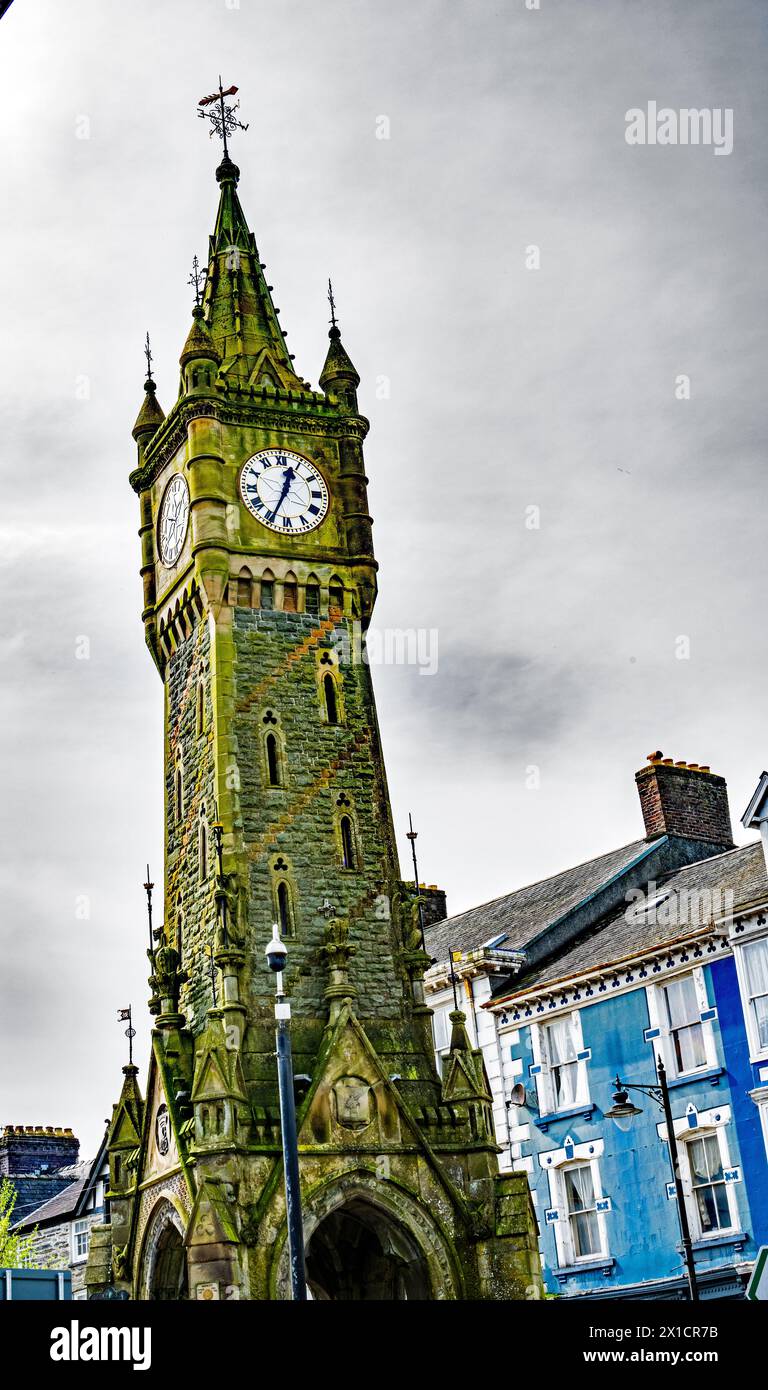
(548, 878)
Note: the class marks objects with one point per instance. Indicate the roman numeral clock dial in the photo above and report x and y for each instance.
(284, 491)
(173, 519)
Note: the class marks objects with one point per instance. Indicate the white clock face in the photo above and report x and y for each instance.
(284, 491)
(174, 516)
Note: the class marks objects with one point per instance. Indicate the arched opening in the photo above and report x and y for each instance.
(165, 1259)
(201, 707)
(336, 597)
(347, 843)
(273, 761)
(290, 594)
(179, 929)
(312, 596)
(178, 790)
(203, 846)
(284, 913)
(331, 703)
(267, 589)
(360, 1254)
(244, 589)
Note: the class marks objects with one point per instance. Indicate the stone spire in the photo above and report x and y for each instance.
(151, 415)
(237, 304)
(339, 378)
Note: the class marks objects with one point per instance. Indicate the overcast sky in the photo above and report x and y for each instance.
(509, 388)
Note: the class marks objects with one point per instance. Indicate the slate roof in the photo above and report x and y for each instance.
(59, 1207)
(521, 915)
(687, 899)
(66, 1202)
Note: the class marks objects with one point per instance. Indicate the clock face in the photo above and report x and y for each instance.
(174, 515)
(284, 491)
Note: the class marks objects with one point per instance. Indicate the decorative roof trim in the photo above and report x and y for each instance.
(484, 960)
(576, 989)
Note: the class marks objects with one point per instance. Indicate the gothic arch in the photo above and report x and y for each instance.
(163, 1264)
(312, 596)
(290, 593)
(245, 588)
(428, 1266)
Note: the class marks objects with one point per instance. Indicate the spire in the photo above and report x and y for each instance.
(237, 304)
(151, 415)
(199, 342)
(339, 376)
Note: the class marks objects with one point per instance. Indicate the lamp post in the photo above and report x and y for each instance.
(623, 1112)
(276, 954)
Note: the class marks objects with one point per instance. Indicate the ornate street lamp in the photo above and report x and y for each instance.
(623, 1113)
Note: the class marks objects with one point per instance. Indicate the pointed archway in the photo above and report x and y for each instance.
(164, 1263)
(359, 1253)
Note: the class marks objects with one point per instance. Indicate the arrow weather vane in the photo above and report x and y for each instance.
(222, 117)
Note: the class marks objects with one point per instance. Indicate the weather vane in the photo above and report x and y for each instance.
(411, 835)
(149, 886)
(332, 303)
(148, 355)
(222, 117)
(197, 280)
(123, 1016)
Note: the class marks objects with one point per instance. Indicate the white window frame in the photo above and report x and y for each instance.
(760, 1097)
(756, 1052)
(80, 1228)
(545, 1083)
(566, 1255)
(686, 1173)
(663, 1045)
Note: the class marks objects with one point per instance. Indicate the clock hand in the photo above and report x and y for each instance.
(288, 477)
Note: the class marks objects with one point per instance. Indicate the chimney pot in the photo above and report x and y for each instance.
(684, 800)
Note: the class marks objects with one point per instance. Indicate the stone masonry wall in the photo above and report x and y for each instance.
(292, 832)
(187, 892)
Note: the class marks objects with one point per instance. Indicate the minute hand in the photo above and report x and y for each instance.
(288, 478)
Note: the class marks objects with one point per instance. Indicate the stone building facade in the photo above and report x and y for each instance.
(252, 605)
(36, 1160)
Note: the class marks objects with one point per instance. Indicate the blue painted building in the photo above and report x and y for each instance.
(657, 952)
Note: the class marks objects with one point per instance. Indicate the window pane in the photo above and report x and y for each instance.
(442, 1029)
(714, 1161)
(689, 1048)
(682, 1004)
(586, 1236)
(561, 1044)
(760, 1007)
(712, 1203)
(565, 1080)
(697, 1156)
(579, 1190)
(756, 962)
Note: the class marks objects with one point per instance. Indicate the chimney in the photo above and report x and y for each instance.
(684, 799)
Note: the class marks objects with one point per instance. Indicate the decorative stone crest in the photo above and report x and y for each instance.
(353, 1102)
(163, 1130)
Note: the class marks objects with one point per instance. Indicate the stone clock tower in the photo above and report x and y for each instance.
(257, 563)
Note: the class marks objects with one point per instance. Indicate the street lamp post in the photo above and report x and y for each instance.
(276, 954)
(623, 1112)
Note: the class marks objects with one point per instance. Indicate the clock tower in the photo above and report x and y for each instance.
(259, 581)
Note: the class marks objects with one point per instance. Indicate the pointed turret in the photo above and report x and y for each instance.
(339, 378)
(238, 309)
(150, 417)
(200, 358)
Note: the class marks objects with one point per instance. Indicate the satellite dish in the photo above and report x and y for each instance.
(517, 1094)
